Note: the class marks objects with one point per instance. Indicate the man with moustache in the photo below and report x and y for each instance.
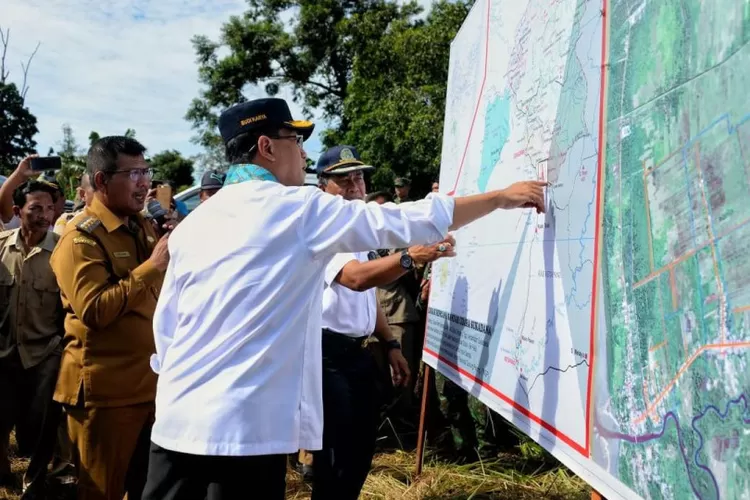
(30, 334)
(351, 314)
(110, 265)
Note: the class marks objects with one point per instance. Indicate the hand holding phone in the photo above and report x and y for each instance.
(43, 163)
(164, 196)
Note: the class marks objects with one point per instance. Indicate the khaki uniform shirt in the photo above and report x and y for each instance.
(62, 221)
(109, 294)
(30, 308)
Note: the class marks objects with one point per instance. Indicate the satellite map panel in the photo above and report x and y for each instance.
(615, 328)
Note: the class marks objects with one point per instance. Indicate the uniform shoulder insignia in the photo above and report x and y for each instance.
(88, 224)
(83, 240)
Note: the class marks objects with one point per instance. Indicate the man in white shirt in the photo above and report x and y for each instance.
(351, 313)
(237, 327)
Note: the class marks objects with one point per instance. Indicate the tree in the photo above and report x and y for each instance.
(212, 158)
(95, 136)
(17, 124)
(73, 162)
(396, 101)
(313, 58)
(171, 166)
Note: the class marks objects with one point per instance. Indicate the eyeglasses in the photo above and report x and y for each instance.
(136, 173)
(300, 139)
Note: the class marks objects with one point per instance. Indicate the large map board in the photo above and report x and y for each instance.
(614, 329)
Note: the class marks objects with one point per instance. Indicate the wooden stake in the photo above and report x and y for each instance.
(422, 419)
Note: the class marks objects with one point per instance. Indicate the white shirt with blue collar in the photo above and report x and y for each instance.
(238, 323)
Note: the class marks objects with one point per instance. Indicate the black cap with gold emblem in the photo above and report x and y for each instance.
(340, 160)
(260, 115)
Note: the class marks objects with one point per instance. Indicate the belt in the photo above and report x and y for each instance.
(338, 340)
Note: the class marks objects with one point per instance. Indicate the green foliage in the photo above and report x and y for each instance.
(17, 128)
(171, 166)
(73, 162)
(375, 71)
(313, 58)
(396, 101)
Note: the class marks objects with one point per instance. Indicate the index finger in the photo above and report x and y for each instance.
(540, 183)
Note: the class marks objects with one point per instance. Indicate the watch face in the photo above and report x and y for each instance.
(406, 262)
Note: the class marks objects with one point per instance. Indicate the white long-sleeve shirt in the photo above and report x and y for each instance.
(238, 323)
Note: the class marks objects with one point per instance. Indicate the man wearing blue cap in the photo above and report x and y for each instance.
(211, 182)
(351, 314)
(237, 327)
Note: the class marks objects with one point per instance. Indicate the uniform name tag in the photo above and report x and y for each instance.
(84, 241)
(122, 255)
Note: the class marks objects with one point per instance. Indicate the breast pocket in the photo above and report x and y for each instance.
(47, 293)
(6, 287)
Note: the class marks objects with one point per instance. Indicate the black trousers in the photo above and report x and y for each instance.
(351, 399)
(26, 404)
(179, 476)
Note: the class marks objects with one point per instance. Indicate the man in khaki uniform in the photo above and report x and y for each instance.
(398, 301)
(402, 186)
(84, 194)
(110, 267)
(30, 333)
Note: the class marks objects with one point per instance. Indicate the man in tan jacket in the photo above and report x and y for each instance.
(110, 265)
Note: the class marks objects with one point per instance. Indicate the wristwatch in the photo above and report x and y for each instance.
(392, 344)
(406, 261)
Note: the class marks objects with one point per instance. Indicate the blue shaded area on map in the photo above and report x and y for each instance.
(496, 133)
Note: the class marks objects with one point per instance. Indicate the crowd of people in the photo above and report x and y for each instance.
(166, 356)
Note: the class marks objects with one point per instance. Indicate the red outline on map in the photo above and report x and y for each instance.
(479, 99)
(585, 449)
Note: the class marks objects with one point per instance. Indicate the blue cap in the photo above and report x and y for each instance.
(260, 115)
(340, 160)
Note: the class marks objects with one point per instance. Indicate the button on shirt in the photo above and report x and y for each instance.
(30, 308)
(346, 311)
(238, 322)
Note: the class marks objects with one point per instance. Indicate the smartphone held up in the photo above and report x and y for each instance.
(45, 163)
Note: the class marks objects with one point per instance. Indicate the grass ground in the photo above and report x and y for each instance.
(516, 476)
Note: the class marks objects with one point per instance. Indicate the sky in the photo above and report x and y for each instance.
(110, 65)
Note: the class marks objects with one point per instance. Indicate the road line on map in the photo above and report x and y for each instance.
(599, 223)
(657, 346)
(686, 255)
(710, 347)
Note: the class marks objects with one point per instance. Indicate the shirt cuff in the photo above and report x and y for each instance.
(442, 210)
(147, 274)
(335, 266)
